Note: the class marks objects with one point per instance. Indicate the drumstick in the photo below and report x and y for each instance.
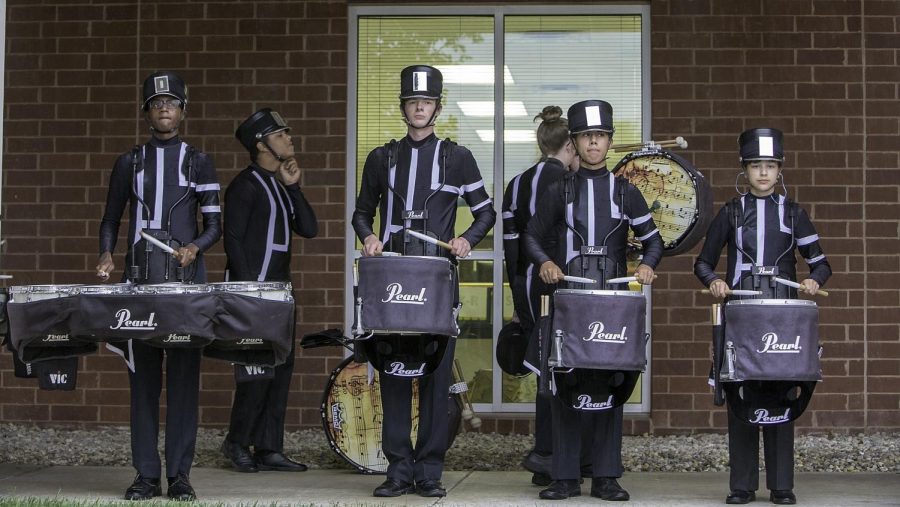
(625, 279)
(467, 413)
(678, 142)
(797, 286)
(429, 239)
(736, 292)
(578, 279)
(162, 246)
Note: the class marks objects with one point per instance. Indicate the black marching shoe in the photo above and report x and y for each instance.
(240, 457)
(782, 497)
(607, 488)
(430, 488)
(392, 487)
(560, 490)
(180, 489)
(539, 479)
(271, 460)
(538, 463)
(143, 489)
(740, 497)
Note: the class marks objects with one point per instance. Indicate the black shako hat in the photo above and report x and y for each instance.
(421, 81)
(164, 83)
(260, 124)
(761, 144)
(590, 115)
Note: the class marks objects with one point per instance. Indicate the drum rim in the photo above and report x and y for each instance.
(597, 292)
(109, 289)
(25, 289)
(249, 283)
(771, 302)
(179, 288)
(422, 257)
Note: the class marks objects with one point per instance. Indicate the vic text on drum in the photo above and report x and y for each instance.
(587, 215)
(519, 203)
(415, 184)
(165, 183)
(263, 207)
(763, 230)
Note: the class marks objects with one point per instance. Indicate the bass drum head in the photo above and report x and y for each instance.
(352, 416)
(677, 194)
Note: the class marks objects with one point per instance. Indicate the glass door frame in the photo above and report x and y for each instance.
(498, 12)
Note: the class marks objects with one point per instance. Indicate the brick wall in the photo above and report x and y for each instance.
(822, 71)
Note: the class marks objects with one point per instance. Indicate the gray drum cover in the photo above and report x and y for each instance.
(776, 341)
(39, 330)
(251, 331)
(406, 295)
(600, 331)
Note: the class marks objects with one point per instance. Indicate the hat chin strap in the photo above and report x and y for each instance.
(431, 121)
(171, 130)
(274, 154)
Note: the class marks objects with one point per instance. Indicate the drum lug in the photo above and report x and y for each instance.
(556, 358)
(729, 361)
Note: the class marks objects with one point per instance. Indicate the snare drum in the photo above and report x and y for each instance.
(28, 293)
(598, 329)
(406, 295)
(678, 195)
(273, 291)
(771, 339)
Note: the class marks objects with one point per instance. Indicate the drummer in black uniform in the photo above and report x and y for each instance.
(263, 204)
(519, 203)
(590, 201)
(423, 176)
(164, 183)
(766, 236)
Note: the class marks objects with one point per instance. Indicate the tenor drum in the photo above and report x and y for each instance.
(406, 295)
(352, 417)
(771, 339)
(677, 194)
(28, 293)
(272, 291)
(39, 322)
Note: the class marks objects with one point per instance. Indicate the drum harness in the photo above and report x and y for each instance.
(137, 165)
(393, 155)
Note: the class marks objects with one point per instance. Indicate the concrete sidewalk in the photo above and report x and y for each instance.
(338, 487)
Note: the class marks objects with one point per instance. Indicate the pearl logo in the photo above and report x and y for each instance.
(395, 294)
(585, 403)
(250, 341)
(596, 333)
(771, 345)
(56, 338)
(399, 369)
(125, 323)
(177, 338)
(761, 416)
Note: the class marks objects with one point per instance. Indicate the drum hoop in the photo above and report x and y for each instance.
(249, 286)
(771, 302)
(171, 288)
(584, 292)
(41, 288)
(429, 258)
(103, 289)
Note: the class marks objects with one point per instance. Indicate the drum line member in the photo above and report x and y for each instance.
(519, 203)
(770, 227)
(263, 204)
(419, 177)
(164, 182)
(589, 202)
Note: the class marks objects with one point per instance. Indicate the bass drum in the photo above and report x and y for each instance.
(352, 416)
(677, 194)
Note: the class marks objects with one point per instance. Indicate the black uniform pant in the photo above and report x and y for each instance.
(605, 451)
(182, 393)
(526, 293)
(259, 408)
(743, 455)
(426, 460)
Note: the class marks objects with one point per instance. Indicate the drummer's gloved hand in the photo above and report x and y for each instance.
(644, 274)
(371, 246)
(718, 288)
(460, 247)
(550, 273)
(810, 286)
(105, 265)
(186, 254)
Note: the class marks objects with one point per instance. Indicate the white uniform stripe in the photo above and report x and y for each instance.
(532, 203)
(807, 240)
(760, 232)
(508, 214)
(181, 153)
(210, 209)
(482, 204)
(591, 213)
(436, 166)
(471, 187)
(209, 187)
(645, 236)
(392, 172)
(510, 236)
(614, 211)
(815, 259)
(640, 220)
(411, 188)
(514, 205)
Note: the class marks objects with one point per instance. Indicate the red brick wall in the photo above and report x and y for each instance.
(823, 71)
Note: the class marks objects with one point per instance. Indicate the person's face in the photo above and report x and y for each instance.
(762, 176)
(418, 111)
(280, 142)
(592, 148)
(165, 114)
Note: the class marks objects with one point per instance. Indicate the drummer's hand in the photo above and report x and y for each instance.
(289, 172)
(186, 254)
(550, 273)
(105, 266)
(718, 288)
(371, 246)
(810, 286)
(460, 247)
(644, 274)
